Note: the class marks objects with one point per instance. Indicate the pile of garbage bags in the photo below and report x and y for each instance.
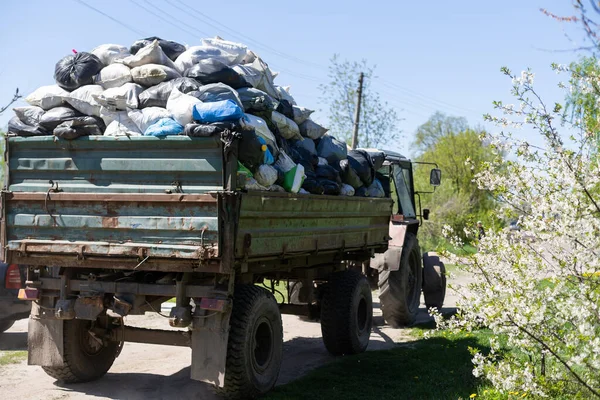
(159, 88)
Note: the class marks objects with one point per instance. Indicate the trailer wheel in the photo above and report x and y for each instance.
(434, 281)
(346, 313)
(400, 290)
(86, 358)
(255, 345)
(6, 324)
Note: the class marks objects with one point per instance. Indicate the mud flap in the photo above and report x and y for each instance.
(44, 340)
(209, 348)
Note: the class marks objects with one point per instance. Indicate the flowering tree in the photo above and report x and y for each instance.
(539, 294)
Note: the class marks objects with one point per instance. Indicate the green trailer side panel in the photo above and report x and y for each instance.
(276, 223)
(116, 196)
(99, 164)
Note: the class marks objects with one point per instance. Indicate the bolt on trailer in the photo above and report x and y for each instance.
(115, 226)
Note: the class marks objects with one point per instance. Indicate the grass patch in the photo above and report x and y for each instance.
(12, 357)
(435, 368)
(281, 291)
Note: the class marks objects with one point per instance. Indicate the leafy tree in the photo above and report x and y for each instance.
(378, 121)
(540, 293)
(459, 151)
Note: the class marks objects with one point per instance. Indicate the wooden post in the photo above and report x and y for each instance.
(357, 111)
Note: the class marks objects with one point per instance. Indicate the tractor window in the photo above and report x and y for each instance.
(404, 191)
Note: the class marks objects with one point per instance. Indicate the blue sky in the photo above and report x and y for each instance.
(430, 56)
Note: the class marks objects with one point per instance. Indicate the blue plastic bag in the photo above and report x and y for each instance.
(218, 111)
(164, 127)
(269, 159)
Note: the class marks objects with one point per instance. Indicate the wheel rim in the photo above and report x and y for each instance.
(413, 291)
(262, 345)
(90, 345)
(361, 315)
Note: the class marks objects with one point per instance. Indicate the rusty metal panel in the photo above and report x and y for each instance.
(139, 197)
(180, 226)
(282, 223)
(99, 164)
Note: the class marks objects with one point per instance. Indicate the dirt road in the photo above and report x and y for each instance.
(149, 372)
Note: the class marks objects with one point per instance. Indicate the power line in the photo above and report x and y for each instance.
(112, 18)
(424, 97)
(178, 19)
(218, 25)
(162, 18)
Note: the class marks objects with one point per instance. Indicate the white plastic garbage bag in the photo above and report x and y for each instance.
(122, 127)
(47, 97)
(181, 106)
(194, 54)
(151, 54)
(113, 76)
(82, 99)
(288, 128)
(301, 114)
(153, 74)
(120, 98)
(237, 49)
(146, 117)
(266, 175)
(108, 53)
(284, 94)
(259, 76)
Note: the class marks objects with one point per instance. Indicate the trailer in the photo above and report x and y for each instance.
(115, 226)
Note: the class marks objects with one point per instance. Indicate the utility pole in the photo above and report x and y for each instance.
(357, 111)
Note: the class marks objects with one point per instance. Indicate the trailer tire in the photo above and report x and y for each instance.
(434, 281)
(84, 358)
(255, 345)
(6, 324)
(400, 290)
(346, 313)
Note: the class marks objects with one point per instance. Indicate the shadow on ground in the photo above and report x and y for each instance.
(435, 368)
(13, 341)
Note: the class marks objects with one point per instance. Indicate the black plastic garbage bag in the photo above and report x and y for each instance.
(328, 172)
(331, 149)
(362, 192)
(362, 164)
(255, 100)
(348, 174)
(313, 186)
(214, 92)
(377, 158)
(280, 175)
(157, 96)
(17, 127)
(214, 71)
(29, 115)
(285, 107)
(250, 150)
(300, 154)
(330, 187)
(77, 70)
(306, 144)
(80, 126)
(170, 48)
(56, 116)
(204, 130)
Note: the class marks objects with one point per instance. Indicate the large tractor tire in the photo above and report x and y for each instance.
(346, 313)
(400, 290)
(434, 281)
(255, 346)
(85, 357)
(6, 324)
